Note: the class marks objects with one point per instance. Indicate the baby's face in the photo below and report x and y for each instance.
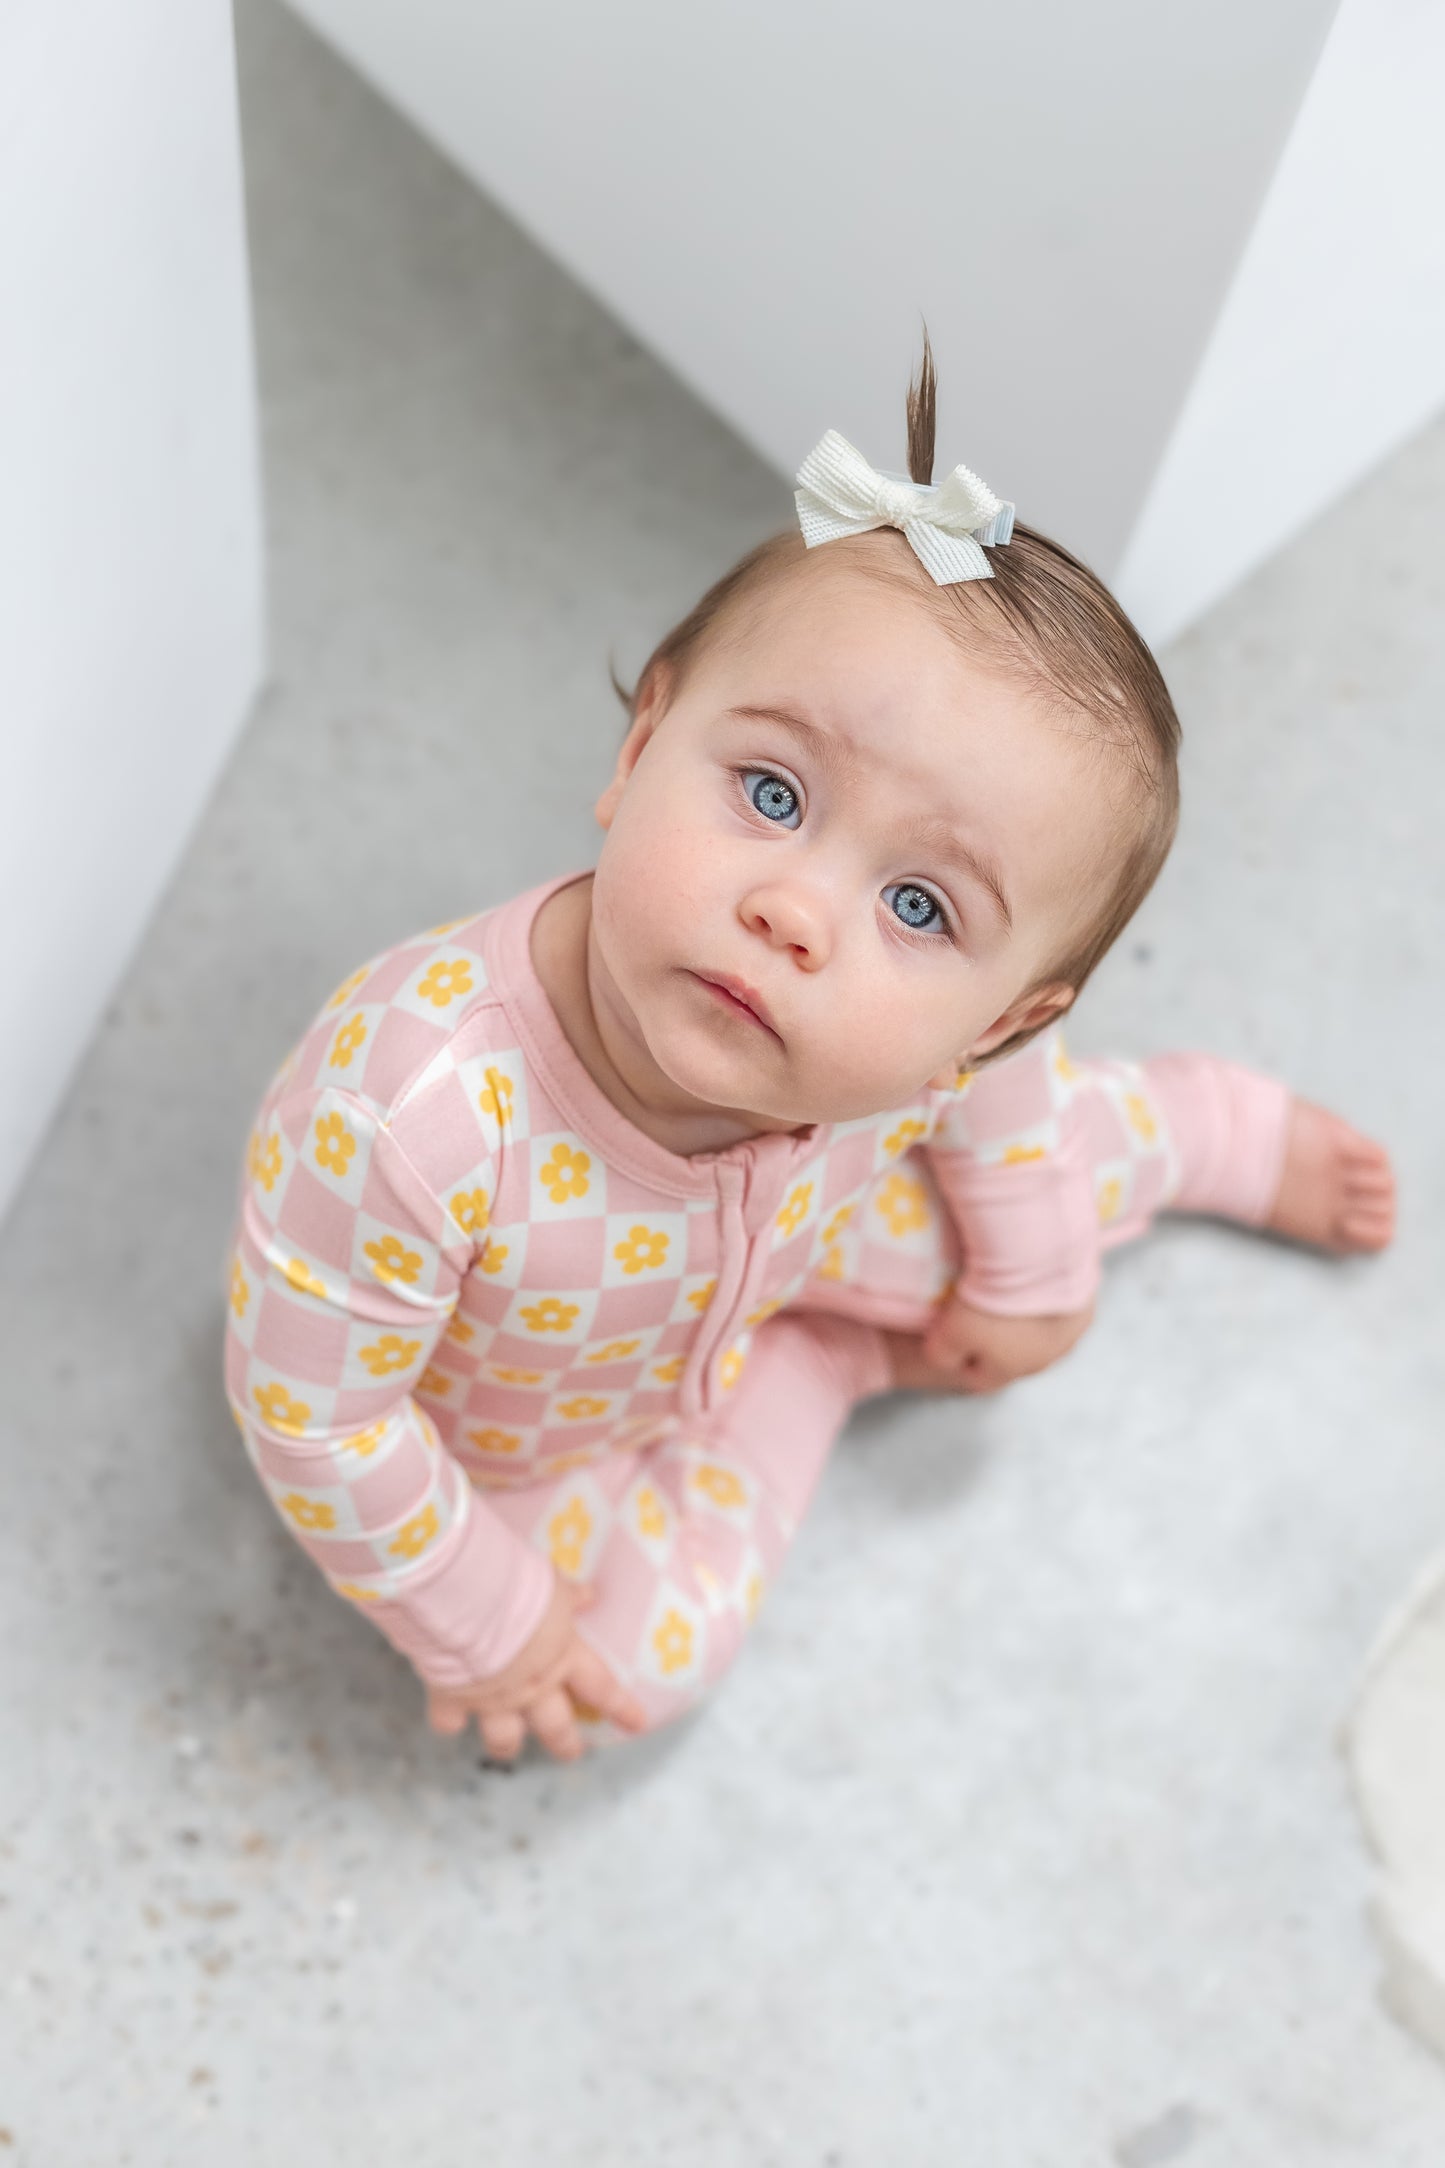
(840, 857)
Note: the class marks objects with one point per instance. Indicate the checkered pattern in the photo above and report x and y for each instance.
(455, 1303)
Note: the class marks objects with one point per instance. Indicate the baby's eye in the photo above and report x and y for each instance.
(773, 798)
(914, 906)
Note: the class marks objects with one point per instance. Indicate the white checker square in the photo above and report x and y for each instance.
(560, 1320)
(647, 1515)
(502, 1258)
(643, 1248)
(496, 1089)
(569, 1181)
(622, 1347)
(575, 1407)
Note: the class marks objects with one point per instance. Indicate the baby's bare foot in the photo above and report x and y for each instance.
(1338, 1189)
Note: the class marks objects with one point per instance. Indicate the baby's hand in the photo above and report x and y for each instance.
(973, 1351)
(536, 1689)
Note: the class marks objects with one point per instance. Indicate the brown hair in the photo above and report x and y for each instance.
(1052, 621)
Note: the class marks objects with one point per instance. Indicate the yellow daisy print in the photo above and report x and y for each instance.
(347, 988)
(390, 1353)
(837, 1223)
(392, 1260)
(1141, 1118)
(346, 1043)
(280, 1411)
(616, 1351)
(795, 1211)
(460, 1331)
(356, 1593)
(1111, 1196)
(559, 1463)
(730, 1369)
(517, 1377)
(364, 1442)
(764, 1311)
(702, 1296)
(309, 1512)
(445, 981)
(567, 1534)
(753, 1594)
(492, 1440)
(471, 1209)
(908, 1132)
(307, 1282)
(581, 1406)
(334, 1144)
(550, 1315)
(962, 1078)
(565, 1174)
(651, 1514)
(413, 1536)
(644, 1250)
(672, 1638)
(903, 1204)
(721, 1485)
(496, 1100)
(240, 1291)
(1020, 1155)
(1064, 1069)
(266, 1161)
(435, 1381)
(669, 1372)
(494, 1256)
(831, 1265)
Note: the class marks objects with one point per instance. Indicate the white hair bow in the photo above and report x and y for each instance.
(947, 526)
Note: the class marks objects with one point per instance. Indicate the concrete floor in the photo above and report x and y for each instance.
(1019, 1839)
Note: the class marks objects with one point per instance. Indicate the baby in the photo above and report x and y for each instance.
(571, 1231)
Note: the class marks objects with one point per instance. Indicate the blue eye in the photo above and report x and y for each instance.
(913, 906)
(773, 798)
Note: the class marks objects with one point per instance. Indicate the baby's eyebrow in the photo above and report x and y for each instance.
(823, 746)
(936, 838)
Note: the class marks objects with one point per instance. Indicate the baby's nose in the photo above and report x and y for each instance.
(789, 916)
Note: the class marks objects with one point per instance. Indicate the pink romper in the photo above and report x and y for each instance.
(481, 1329)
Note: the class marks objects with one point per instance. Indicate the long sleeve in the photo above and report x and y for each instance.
(1017, 1177)
(344, 1273)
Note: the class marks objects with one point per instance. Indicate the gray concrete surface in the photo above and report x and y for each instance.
(1019, 1839)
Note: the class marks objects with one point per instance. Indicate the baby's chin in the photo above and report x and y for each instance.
(791, 1093)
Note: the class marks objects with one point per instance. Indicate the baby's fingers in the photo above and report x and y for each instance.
(947, 1342)
(503, 1736)
(554, 1720)
(590, 1681)
(445, 1713)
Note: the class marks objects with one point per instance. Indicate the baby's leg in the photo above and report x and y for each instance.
(680, 1541)
(1197, 1134)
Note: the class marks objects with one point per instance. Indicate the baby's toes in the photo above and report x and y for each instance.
(1366, 1218)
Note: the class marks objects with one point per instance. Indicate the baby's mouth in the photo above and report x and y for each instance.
(742, 999)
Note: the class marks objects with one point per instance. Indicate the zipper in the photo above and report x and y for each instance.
(698, 1391)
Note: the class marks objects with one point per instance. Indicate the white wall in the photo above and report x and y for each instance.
(1330, 348)
(770, 192)
(130, 596)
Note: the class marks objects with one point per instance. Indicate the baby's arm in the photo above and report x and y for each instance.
(346, 1271)
(1019, 1184)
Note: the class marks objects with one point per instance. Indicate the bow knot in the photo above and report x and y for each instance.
(947, 527)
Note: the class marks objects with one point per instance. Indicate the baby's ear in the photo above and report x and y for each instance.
(648, 710)
(1039, 1006)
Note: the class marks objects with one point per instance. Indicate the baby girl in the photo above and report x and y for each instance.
(572, 1230)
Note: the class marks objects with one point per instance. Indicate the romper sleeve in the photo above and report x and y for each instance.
(345, 1269)
(1014, 1171)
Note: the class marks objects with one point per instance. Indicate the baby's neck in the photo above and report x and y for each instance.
(601, 1035)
